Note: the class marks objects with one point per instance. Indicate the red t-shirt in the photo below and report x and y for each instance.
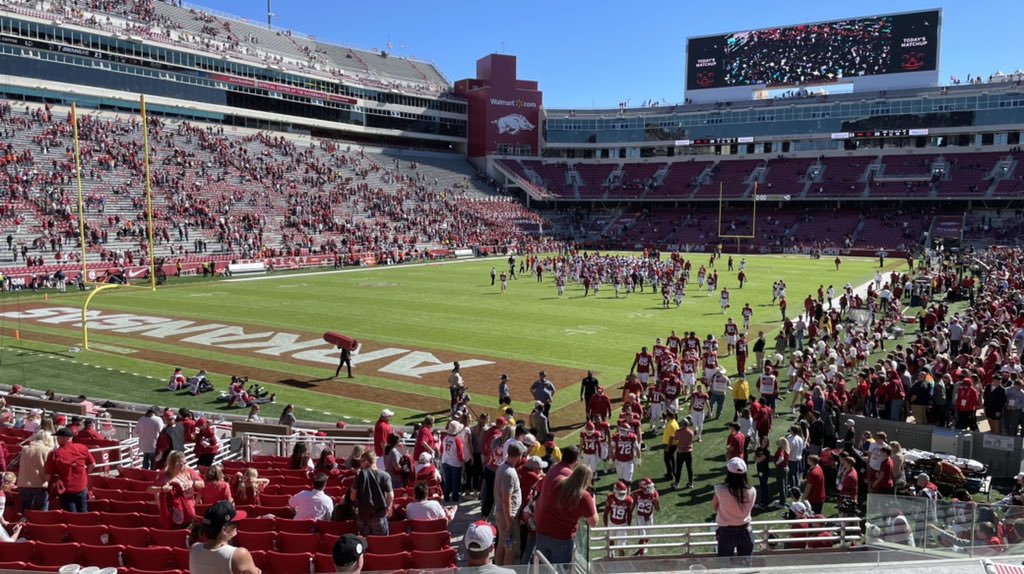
(206, 442)
(884, 476)
(214, 492)
(734, 445)
(546, 488)
(424, 442)
(851, 484)
(381, 431)
(600, 405)
(69, 463)
(816, 485)
(561, 523)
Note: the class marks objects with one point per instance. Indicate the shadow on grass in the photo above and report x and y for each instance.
(308, 384)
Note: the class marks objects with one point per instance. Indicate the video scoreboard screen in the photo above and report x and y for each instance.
(810, 54)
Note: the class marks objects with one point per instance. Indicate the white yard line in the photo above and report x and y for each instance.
(287, 275)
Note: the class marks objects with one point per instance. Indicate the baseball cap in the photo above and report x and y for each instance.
(221, 514)
(348, 549)
(600, 389)
(480, 536)
(924, 476)
(64, 432)
(15, 389)
(387, 413)
(529, 440)
(736, 465)
(850, 423)
(536, 463)
(798, 508)
(515, 448)
(500, 421)
(425, 458)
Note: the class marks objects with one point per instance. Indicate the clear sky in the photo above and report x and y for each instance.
(600, 53)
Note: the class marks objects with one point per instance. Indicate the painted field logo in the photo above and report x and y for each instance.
(512, 124)
(304, 348)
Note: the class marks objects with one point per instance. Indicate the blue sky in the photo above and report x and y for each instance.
(599, 53)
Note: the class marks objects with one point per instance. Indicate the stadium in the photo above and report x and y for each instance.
(273, 304)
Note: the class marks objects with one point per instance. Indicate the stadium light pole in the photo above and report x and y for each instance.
(270, 15)
(78, 178)
(149, 195)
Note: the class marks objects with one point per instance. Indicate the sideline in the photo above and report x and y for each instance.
(289, 274)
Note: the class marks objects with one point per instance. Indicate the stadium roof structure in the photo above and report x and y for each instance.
(183, 23)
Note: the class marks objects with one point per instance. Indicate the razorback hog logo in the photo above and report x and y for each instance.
(512, 124)
(705, 79)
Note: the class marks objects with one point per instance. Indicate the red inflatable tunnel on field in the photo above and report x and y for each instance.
(342, 341)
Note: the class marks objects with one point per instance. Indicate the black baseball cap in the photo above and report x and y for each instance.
(64, 432)
(222, 514)
(348, 549)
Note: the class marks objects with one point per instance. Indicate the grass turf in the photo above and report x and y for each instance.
(449, 307)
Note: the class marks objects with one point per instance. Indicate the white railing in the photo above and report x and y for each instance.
(255, 444)
(700, 538)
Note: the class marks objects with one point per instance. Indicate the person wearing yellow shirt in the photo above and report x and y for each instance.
(669, 440)
(548, 452)
(740, 396)
(505, 412)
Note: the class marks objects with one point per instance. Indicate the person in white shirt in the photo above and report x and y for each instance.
(313, 504)
(148, 429)
(424, 509)
(796, 455)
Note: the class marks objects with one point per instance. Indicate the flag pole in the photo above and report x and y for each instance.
(149, 195)
(78, 178)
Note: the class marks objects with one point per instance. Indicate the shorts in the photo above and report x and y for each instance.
(689, 379)
(621, 535)
(709, 374)
(624, 470)
(591, 461)
(643, 378)
(730, 339)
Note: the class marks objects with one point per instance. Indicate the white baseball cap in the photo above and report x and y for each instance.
(387, 413)
(736, 465)
(480, 536)
(798, 508)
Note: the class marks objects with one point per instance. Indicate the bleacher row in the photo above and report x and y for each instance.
(241, 195)
(117, 531)
(949, 175)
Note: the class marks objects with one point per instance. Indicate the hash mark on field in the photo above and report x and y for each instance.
(135, 374)
(307, 409)
(585, 330)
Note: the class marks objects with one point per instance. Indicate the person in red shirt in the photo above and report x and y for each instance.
(643, 366)
(647, 502)
(206, 446)
(884, 480)
(735, 442)
(814, 491)
(88, 432)
(967, 402)
(626, 452)
(618, 511)
(632, 386)
(564, 500)
(590, 446)
(425, 441)
(381, 431)
(69, 466)
(849, 486)
(177, 381)
(600, 405)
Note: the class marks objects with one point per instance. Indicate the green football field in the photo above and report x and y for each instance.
(412, 320)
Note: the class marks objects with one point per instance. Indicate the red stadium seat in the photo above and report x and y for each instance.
(274, 499)
(327, 542)
(34, 567)
(391, 544)
(121, 519)
(82, 518)
(56, 554)
(288, 563)
(434, 558)
(48, 517)
(295, 526)
(154, 558)
(337, 528)
(177, 538)
(102, 556)
(292, 543)
(256, 525)
(138, 537)
(20, 551)
(141, 571)
(424, 541)
(397, 526)
(256, 540)
(181, 557)
(21, 566)
(277, 511)
(323, 562)
(386, 562)
(125, 506)
(51, 533)
(436, 525)
(96, 534)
